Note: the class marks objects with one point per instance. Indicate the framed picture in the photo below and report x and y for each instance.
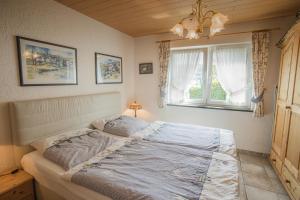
(44, 63)
(108, 69)
(146, 68)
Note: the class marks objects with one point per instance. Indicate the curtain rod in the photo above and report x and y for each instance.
(221, 34)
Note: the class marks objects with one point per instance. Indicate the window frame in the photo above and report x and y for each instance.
(206, 101)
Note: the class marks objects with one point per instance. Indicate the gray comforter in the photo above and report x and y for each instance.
(169, 164)
(70, 152)
(187, 135)
(145, 170)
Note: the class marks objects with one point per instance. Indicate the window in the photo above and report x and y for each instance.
(216, 75)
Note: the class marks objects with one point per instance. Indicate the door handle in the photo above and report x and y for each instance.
(288, 107)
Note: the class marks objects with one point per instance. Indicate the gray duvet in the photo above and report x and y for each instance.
(145, 170)
(171, 164)
(187, 135)
(70, 152)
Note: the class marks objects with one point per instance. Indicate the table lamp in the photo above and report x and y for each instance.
(135, 106)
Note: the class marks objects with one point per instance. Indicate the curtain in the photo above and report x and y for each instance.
(183, 65)
(231, 70)
(260, 54)
(164, 54)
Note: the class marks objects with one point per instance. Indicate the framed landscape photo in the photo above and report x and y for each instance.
(44, 63)
(146, 68)
(108, 69)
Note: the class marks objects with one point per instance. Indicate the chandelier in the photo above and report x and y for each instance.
(193, 24)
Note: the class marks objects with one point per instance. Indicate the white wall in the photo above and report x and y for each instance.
(50, 21)
(251, 134)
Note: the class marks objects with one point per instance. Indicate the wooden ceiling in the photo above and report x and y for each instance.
(145, 17)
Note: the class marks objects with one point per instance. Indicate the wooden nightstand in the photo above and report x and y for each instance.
(18, 186)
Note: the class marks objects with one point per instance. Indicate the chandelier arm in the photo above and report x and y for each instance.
(180, 22)
(199, 10)
(199, 15)
(208, 13)
(194, 8)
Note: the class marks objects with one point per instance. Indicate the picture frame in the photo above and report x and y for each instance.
(108, 69)
(146, 68)
(44, 64)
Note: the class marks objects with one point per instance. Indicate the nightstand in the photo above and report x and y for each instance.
(17, 186)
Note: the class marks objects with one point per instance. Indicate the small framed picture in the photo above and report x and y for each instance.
(146, 68)
(108, 69)
(44, 63)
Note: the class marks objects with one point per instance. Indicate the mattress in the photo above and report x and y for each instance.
(49, 175)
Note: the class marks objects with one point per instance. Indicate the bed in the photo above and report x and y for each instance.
(36, 119)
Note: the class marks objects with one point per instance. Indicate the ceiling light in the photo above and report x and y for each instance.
(193, 24)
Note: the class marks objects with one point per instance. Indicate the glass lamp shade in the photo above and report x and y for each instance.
(217, 23)
(191, 23)
(192, 34)
(178, 30)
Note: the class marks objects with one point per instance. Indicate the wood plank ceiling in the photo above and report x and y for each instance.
(145, 17)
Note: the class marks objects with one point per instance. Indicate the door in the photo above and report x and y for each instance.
(280, 130)
(292, 158)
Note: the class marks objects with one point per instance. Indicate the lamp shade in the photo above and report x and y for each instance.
(135, 106)
(178, 29)
(217, 23)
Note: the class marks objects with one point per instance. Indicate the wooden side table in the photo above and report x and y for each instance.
(17, 186)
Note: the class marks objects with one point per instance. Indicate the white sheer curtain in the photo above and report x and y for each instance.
(182, 67)
(231, 67)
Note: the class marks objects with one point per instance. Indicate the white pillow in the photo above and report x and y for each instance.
(100, 123)
(42, 144)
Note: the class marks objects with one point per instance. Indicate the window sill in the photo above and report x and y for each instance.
(213, 107)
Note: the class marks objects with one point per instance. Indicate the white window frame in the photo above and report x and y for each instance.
(206, 101)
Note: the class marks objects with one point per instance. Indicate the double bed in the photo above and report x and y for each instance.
(161, 161)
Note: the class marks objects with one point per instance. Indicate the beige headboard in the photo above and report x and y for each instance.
(39, 118)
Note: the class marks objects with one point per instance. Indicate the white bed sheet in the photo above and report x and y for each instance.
(49, 175)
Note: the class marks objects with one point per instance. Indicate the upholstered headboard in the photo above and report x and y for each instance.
(40, 118)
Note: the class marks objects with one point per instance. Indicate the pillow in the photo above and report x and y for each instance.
(100, 123)
(124, 126)
(42, 144)
(75, 147)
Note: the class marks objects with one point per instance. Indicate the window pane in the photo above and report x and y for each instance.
(230, 67)
(216, 90)
(195, 90)
(185, 75)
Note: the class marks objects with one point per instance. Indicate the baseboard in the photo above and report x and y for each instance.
(264, 155)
